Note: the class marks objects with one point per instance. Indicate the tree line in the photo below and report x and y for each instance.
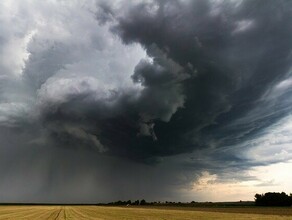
(129, 202)
(273, 199)
(143, 202)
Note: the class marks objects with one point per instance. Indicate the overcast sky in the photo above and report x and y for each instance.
(175, 100)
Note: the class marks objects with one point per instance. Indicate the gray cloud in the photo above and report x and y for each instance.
(164, 88)
(229, 53)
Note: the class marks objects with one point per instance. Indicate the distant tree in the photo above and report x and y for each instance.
(143, 202)
(118, 202)
(129, 202)
(273, 199)
(137, 202)
(258, 199)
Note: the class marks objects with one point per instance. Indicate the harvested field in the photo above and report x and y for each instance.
(131, 213)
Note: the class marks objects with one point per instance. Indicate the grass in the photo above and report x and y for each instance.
(144, 213)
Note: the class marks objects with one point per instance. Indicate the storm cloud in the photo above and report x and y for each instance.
(95, 93)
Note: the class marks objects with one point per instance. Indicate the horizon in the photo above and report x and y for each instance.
(173, 100)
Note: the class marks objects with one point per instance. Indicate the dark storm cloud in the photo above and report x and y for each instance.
(202, 86)
(82, 106)
(210, 64)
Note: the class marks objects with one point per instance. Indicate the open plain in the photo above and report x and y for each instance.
(138, 213)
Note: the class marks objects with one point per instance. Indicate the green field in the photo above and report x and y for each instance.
(131, 213)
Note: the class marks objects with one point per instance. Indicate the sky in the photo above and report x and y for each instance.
(163, 100)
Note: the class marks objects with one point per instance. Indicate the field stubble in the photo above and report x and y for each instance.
(144, 213)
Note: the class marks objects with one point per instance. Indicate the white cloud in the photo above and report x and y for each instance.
(214, 187)
(58, 48)
(274, 145)
(10, 113)
(272, 149)
(242, 26)
(17, 29)
(211, 187)
(265, 167)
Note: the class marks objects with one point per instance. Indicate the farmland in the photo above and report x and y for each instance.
(140, 213)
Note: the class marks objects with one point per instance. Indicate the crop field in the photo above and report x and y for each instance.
(147, 213)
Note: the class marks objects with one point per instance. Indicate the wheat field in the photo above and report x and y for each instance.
(121, 213)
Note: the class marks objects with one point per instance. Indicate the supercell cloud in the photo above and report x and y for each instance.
(105, 100)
